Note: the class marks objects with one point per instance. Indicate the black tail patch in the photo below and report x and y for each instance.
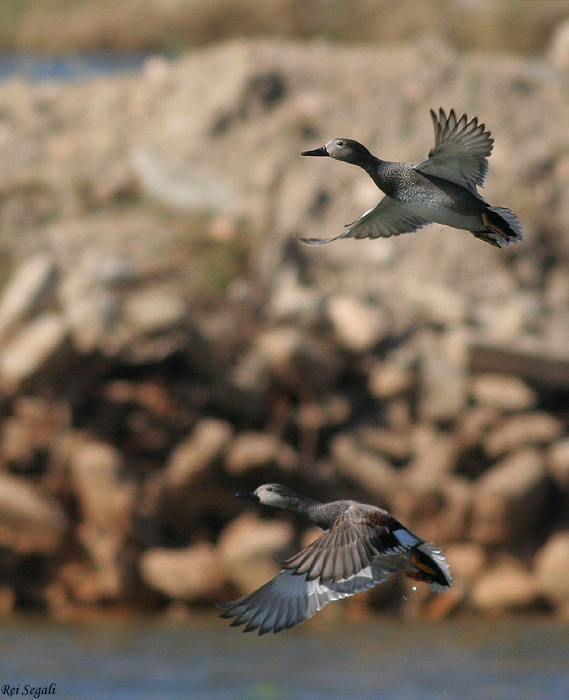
(501, 227)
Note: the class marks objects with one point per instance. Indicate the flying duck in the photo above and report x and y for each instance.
(440, 189)
(360, 546)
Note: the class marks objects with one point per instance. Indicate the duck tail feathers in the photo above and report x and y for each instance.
(501, 227)
(431, 567)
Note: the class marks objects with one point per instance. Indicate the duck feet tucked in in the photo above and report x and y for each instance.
(361, 545)
(440, 189)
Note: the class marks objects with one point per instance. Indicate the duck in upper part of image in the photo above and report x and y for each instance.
(361, 545)
(440, 189)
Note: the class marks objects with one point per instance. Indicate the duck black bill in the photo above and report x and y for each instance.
(248, 496)
(316, 152)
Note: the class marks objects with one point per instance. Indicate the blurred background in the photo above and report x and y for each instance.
(166, 341)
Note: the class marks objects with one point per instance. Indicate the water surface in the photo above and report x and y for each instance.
(204, 659)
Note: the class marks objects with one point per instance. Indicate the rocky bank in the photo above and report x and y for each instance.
(165, 340)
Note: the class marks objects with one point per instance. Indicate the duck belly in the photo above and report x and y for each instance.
(447, 214)
(443, 202)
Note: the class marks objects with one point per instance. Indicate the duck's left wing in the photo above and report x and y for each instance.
(386, 219)
(460, 152)
(289, 599)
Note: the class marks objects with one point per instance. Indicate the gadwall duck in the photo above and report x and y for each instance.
(440, 189)
(360, 546)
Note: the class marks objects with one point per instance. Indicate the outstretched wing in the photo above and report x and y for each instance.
(386, 219)
(460, 152)
(289, 599)
(357, 538)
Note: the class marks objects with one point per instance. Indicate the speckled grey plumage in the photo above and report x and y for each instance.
(442, 188)
(360, 546)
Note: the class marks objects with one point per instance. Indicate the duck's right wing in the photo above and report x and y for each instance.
(289, 599)
(386, 219)
(461, 150)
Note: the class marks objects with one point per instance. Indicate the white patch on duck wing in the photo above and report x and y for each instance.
(289, 599)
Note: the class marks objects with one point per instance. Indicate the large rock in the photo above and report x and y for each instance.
(559, 47)
(28, 352)
(467, 560)
(153, 310)
(507, 586)
(357, 326)
(503, 392)
(29, 432)
(552, 570)
(511, 500)
(104, 548)
(439, 511)
(526, 429)
(393, 444)
(390, 378)
(30, 523)
(250, 545)
(195, 454)
(299, 360)
(293, 301)
(25, 290)
(434, 456)
(369, 470)
(474, 424)
(443, 374)
(558, 463)
(105, 499)
(253, 450)
(193, 573)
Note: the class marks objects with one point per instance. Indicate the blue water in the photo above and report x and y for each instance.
(204, 659)
(69, 66)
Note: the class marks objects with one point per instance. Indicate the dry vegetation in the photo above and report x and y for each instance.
(521, 26)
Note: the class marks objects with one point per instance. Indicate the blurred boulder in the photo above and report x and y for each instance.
(30, 523)
(525, 429)
(467, 560)
(299, 360)
(195, 454)
(95, 468)
(443, 374)
(365, 468)
(390, 378)
(558, 463)
(253, 450)
(396, 445)
(153, 310)
(511, 500)
(357, 326)
(507, 586)
(434, 456)
(502, 392)
(104, 547)
(27, 288)
(193, 573)
(31, 349)
(250, 545)
(552, 570)
(559, 47)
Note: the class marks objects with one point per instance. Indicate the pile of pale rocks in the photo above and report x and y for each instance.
(428, 373)
(130, 419)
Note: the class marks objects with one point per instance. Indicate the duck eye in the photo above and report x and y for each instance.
(339, 143)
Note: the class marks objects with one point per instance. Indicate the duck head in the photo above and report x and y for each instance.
(272, 495)
(347, 150)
